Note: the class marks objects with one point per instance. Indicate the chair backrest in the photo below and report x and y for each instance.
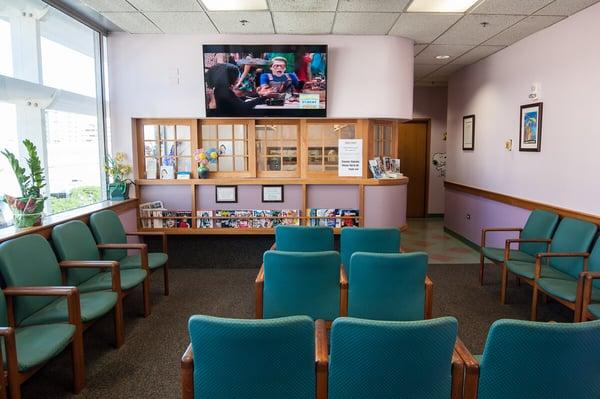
(594, 261)
(303, 238)
(391, 359)
(74, 241)
(3, 313)
(272, 358)
(572, 235)
(540, 224)
(301, 283)
(526, 359)
(367, 239)
(387, 286)
(107, 229)
(29, 261)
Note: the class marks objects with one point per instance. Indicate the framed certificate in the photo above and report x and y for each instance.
(272, 193)
(468, 132)
(226, 194)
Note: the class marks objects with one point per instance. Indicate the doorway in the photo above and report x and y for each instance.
(413, 151)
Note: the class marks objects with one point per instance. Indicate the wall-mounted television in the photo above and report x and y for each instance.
(265, 80)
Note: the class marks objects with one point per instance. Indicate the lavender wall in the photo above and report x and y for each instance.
(431, 103)
(385, 206)
(334, 196)
(564, 61)
(173, 197)
(249, 197)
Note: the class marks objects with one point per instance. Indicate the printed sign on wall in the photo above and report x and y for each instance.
(350, 158)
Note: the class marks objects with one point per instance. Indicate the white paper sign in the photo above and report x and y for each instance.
(350, 157)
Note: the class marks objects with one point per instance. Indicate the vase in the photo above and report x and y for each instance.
(203, 173)
(118, 191)
(27, 211)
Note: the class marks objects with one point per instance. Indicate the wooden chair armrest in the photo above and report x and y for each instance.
(162, 234)
(321, 358)
(343, 277)
(260, 277)
(562, 254)
(72, 294)
(592, 275)
(428, 313)
(513, 240)
(273, 247)
(187, 373)
(259, 284)
(486, 230)
(114, 266)
(471, 366)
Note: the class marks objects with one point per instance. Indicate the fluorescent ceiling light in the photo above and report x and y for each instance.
(442, 57)
(440, 5)
(235, 5)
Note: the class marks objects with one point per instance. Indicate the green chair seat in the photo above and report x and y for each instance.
(93, 305)
(497, 255)
(527, 270)
(103, 281)
(37, 344)
(594, 309)
(155, 260)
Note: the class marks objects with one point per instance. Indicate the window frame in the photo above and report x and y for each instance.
(279, 173)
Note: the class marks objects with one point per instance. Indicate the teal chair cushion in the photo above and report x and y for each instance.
(391, 359)
(367, 239)
(37, 344)
(563, 289)
(497, 255)
(572, 235)
(103, 281)
(253, 358)
(155, 260)
(93, 305)
(594, 262)
(29, 261)
(524, 359)
(387, 286)
(527, 270)
(540, 225)
(107, 229)
(595, 310)
(303, 238)
(301, 283)
(74, 241)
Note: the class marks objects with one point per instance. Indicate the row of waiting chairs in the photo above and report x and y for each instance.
(48, 302)
(289, 358)
(556, 257)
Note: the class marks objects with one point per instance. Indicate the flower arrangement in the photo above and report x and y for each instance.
(204, 157)
(117, 169)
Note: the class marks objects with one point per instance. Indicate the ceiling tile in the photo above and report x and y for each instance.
(423, 27)
(523, 29)
(182, 22)
(424, 69)
(419, 48)
(229, 21)
(363, 23)
(427, 56)
(565, 7)
(477, 54)
(109, 5)
(514, 7)
(372, 5)
(311, 23)
(304, 5)
(444, 73)
(470, 31)
(132, 22)
(166, 5)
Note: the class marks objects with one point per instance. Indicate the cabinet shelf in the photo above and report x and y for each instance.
(261, 181)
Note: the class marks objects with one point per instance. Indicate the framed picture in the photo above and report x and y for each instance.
(272, 193)
(530, 130)
(468, 132)
(225, 193)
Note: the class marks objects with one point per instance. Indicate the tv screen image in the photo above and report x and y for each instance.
(263, 80)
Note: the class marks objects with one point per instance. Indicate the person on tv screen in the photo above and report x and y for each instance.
(278, 81)
(221, 78)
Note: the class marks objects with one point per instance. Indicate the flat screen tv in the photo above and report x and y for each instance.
(265, 80)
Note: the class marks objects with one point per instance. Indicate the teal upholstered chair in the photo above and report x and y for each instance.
(571, 235)
(112, 239)
(524, 359)
(394, 359)
(591, 290)
(299, 283)
(540, 225)
(272, 358)
(28, 261)
(367, 239)
(74, 241)
(303, 238)
(389, 286)
(26, 348)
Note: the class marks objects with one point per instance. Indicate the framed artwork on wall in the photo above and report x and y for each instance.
(468, 132)
(272, 193)
(530, 127)
(225, 194)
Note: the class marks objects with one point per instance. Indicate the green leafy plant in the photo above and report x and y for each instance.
(31, 185)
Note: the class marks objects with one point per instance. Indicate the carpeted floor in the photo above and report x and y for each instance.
(147, 366)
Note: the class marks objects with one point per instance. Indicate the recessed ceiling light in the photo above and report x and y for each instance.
(440, 5)
(235, 5)
(442, 57)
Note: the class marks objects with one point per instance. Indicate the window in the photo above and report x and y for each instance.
(50, 74)
(323, 145)
(167, 145)
(277, 150)
(231, 142)
(382, 140)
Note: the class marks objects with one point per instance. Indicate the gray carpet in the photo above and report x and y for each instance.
(147, 366)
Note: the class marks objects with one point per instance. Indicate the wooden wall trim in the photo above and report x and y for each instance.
(520, 202)
(82, 214)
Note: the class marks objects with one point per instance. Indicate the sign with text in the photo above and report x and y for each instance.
(350, 157)
(309, 100)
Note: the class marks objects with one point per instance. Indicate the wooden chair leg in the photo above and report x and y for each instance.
(166, 278)
(534, 302)
(545, 298)
(428, 298)
(503, 287)
(14, 385)
(78, 360)
(119, 323)
(518, 280)
(146, 294)
(481, 268)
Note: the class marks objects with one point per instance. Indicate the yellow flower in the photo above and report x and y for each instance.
(202, 156)
(214, 155)
(119, 157)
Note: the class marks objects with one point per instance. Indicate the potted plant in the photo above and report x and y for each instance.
(27, 209)
(204, 157)
(117, 170)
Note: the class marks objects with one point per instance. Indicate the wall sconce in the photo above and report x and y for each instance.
(508, 145)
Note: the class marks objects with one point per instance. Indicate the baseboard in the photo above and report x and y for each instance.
(462, 239)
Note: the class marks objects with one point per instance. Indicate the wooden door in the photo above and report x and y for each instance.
(412, 151)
